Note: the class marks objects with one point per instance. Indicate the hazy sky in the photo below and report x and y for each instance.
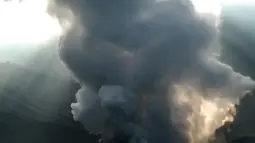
(214, 6)
(28, 22)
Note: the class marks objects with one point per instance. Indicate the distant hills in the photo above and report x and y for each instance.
(41, 88)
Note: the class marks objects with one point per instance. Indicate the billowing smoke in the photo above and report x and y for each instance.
(128, 55)
(203, 114)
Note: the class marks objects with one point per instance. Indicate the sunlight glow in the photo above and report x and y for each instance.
(204, 114)
(26, 22)
(207, 6)
(214, 6)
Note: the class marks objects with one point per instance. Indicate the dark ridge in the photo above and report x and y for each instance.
(17, 130)
(247, 139)
(242, 129)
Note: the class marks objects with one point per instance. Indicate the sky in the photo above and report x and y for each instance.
(214, 6)
(28, 22)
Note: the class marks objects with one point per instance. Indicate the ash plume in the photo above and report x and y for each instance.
(127, 55)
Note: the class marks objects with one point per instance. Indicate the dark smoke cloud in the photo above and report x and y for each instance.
(126, 54)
